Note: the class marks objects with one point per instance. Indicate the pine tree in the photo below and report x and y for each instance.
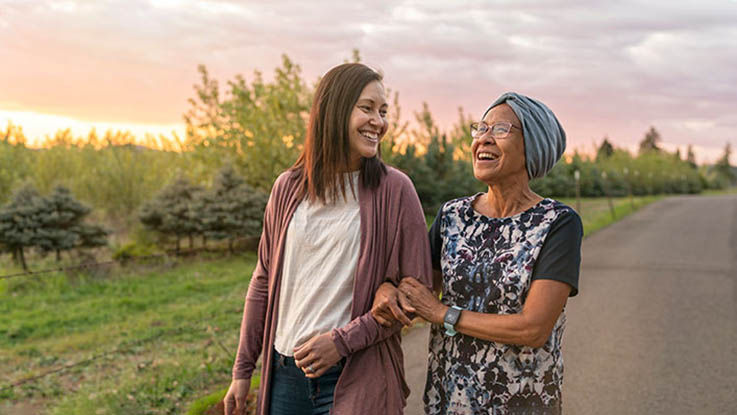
(172, 212)
(60, 218)
(690, 157)
(151, 215)
(91, 236)
(232, 208)
(606, 150)
(651, 141)
(19, 222)
(723, 168)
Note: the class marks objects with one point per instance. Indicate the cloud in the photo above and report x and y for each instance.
(605, 67)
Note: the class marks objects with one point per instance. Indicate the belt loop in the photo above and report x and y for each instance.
(280, 358)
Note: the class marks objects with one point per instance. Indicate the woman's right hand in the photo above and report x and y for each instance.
(235, 399)
(390, 306)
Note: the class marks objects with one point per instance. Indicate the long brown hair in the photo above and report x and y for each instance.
(326, 153)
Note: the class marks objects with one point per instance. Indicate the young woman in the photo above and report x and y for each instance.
(338, 224)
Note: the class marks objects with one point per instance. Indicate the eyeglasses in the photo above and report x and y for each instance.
(498, 130)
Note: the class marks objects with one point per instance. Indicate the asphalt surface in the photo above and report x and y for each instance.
(654, 327)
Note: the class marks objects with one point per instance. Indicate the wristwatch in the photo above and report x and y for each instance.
(450, 320)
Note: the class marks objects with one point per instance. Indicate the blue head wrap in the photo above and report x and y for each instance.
(545, 140)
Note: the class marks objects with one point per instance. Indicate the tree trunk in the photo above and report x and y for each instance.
(191, 241)
(178, 245)
(58, 255)
(22, 259)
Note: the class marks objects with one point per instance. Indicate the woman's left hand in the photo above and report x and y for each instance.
(316, 355)
(425, 303)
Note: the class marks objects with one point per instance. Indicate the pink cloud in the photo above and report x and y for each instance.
(605, 68)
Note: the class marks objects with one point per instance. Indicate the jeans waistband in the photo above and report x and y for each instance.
(289, 360)
(284, 360)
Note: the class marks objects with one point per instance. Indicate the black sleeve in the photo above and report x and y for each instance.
(436, 242)
(560, 257)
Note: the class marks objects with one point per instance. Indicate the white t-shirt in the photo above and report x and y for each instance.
(320, 257)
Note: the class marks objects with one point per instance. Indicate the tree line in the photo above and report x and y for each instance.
(160, 185)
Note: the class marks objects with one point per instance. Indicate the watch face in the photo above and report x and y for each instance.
(451, 317)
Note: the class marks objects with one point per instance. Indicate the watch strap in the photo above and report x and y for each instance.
(450, 320)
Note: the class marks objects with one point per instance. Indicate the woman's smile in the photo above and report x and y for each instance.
(370, 136)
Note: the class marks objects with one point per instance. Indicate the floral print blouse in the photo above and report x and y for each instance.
(488, 265)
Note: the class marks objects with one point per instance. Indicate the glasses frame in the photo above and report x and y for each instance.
(476, 127)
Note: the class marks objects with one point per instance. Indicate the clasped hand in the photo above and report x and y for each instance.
(317, 355)
(392, 304)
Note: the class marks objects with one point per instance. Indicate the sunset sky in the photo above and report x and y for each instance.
(605, 67)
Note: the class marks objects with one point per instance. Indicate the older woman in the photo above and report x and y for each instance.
(506, 262)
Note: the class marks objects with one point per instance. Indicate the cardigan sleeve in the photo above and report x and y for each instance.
(409, 256)
(254, 310)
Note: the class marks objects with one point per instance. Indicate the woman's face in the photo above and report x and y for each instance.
(367, 124)
(497, 159)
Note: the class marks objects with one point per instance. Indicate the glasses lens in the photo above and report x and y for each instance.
(474, 129)
(478, 129)
(500, 130)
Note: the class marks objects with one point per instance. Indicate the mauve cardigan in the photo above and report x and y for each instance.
(394, 244)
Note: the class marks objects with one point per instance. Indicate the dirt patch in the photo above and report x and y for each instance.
(22, 408)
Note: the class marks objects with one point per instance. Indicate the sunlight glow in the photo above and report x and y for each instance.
(38, 127)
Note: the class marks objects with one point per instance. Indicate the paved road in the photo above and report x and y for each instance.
(654, 330)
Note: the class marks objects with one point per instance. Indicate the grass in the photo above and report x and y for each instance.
(201, 405)
(164, 338)
(596, 214)
(728, 191)
(170, 335)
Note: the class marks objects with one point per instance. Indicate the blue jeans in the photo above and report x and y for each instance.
(292, 393)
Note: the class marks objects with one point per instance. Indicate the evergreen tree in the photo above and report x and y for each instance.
(651, 142)
(690, 157)
(606, 149)
(91, 236)
(172, 212)
(232, 208)
(60, 218)
(151, 215)
(723, 168)
(19, 222)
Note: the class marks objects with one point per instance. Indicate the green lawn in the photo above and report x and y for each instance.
(170, 336)
(167, 336)
(728, 191)
(596, 214)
